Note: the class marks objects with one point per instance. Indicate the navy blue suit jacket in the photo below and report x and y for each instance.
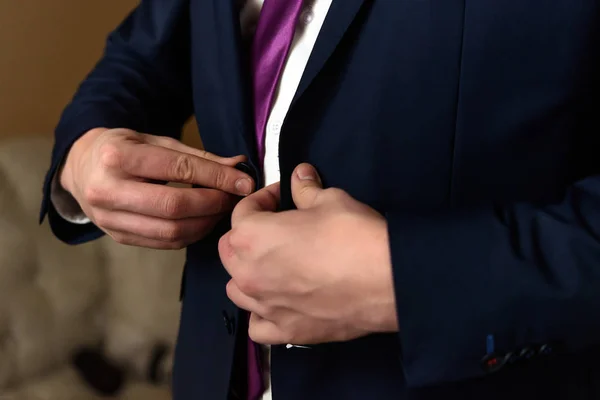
(470, 124)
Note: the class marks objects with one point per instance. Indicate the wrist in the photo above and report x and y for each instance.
(79, 147)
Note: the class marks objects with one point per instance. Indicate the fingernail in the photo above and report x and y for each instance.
(244, 186)
(306, 173)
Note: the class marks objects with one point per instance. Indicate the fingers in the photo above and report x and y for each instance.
(161, 201)
(306, 186)
(265, 200)
(241, 299)
(176, 232)
(264, 331)
(153, 162)
(176, 145)
(260, 329)
(138, 241)
(226, 252)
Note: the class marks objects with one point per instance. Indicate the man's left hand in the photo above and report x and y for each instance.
(321, 273)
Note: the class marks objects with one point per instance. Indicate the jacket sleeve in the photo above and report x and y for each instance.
(519, 282)
(142, 82)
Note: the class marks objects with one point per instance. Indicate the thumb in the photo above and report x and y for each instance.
(265, 200)
(306, 186)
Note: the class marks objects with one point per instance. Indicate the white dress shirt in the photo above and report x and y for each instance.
(311, 20)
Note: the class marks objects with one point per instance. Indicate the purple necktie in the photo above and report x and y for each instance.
(272, 41)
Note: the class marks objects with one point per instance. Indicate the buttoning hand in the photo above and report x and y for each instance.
(321, 273)
(113, 174)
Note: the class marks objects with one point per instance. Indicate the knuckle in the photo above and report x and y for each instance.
(220, 178)
(183, 169)
(234, 240)
(111, 155)
(226, 250)
(239, 240)
(237, 211)
(171, 232)
(95, 195)
(248, 284)
(173, 205)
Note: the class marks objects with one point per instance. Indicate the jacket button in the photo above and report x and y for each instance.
(545, 350)
(512, 358)
(527, 353)
(229, 323)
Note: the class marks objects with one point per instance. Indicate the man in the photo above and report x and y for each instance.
(436, 229)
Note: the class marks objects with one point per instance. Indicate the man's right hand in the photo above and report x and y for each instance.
(112, 174)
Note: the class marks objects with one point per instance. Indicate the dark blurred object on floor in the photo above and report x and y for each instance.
(58, 301)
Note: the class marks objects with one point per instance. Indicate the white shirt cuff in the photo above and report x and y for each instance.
(65, 204)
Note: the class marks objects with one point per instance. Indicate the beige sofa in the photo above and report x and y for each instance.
(57, 299)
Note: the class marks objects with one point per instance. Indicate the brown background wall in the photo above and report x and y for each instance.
(46, 48)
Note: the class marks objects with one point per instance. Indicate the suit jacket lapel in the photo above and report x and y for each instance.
(233, 61)
(340, 16)
(222, 19)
